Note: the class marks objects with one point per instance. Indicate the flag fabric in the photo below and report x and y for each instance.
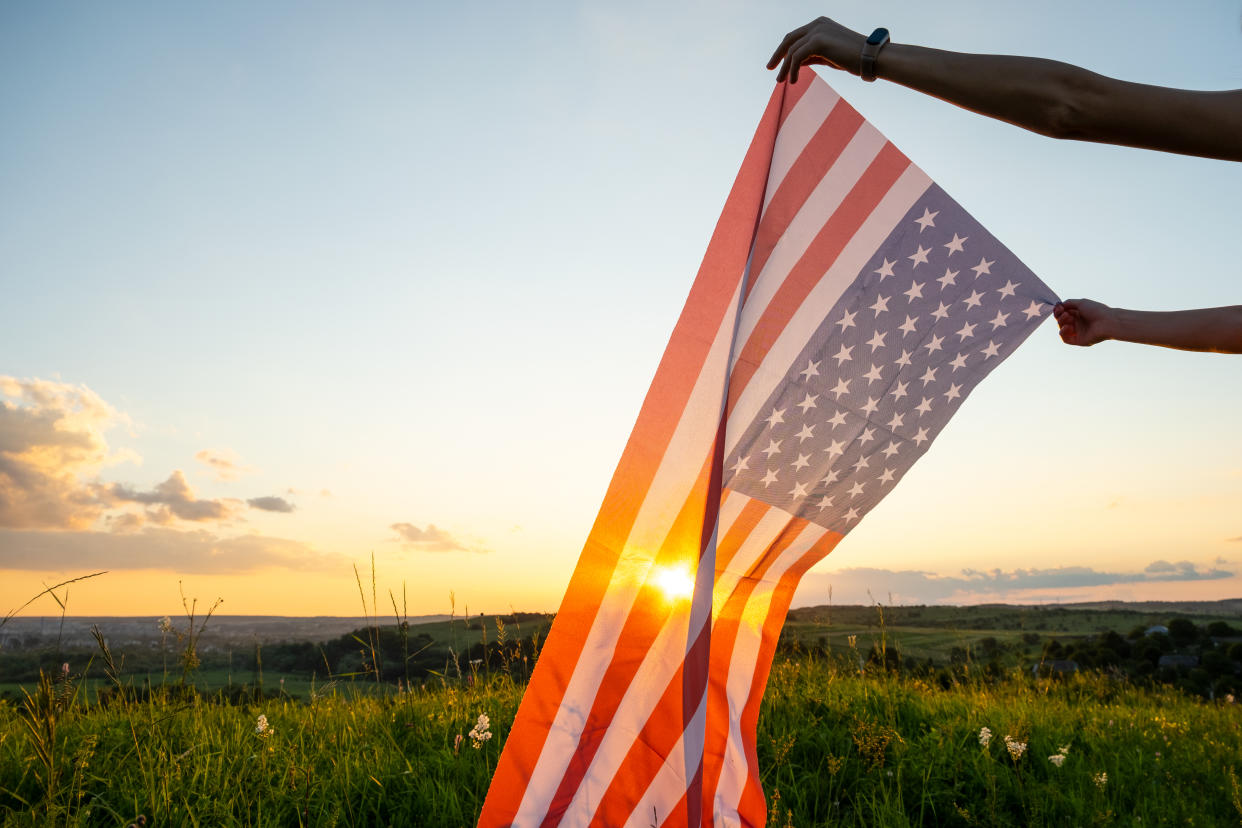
(844, 310)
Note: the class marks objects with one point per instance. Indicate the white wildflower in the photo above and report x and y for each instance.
(165, 624)
(1057, 759)
(261, 727)
(481, 731)
(1015, 748)
(1229, 698)
(985, 736)
(1100, 779)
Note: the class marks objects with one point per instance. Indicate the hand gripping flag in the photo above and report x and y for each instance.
(845, 308)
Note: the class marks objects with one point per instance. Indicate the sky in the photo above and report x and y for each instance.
(287, 287)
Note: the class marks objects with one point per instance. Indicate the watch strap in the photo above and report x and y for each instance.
(870, 51)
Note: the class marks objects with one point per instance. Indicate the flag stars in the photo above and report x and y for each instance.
(836, 448)
(972, 301)
(872, 375)
(887, 476)
(808, 402)
(776, 417)
(954, 391)
(907, 327)
(915, 291)
(923, 407)
(876, 341)
(842, 387)
(799, 490)
(904, 359)
(899, 390)
(847, 321)
(934, 344)
(959, 362)
(856, 490)
(825, 502)
(881, 304)
(842, 356)
(837, 419)
(830, 477)
(860, 464)
(811, 370)
(774, 447)
(807, 433)
(941, 312)
(983, 268)
(870, 406)
(991, 350)
(885, 270)
(849, 516)
(928, 219)
(769, 478)
(1032, 310)
(949, 278)
(891, 449)
(741, 465)
(920, 256)
(967, 331)
(1008, 289)
(921, 437)
(802, 462)
(999, 321)
(895, 423)
(928, 376)
(866, 437)
(955, 246)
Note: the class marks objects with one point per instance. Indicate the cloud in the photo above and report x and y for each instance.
(270, 504)
(1238, 539)
(858, 584)
(222, 462)
(431, 539)
(192, 552)
(51, 437)
(172, 498)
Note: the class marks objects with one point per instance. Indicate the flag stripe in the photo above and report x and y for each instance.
(711, 299)
(749, 678)
(799, 126)
(841, 138)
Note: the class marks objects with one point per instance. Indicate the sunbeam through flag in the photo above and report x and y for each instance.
(844, 310)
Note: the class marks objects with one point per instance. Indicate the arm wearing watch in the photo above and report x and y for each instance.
(1045, 96)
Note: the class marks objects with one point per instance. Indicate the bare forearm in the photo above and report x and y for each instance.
(1208, 329)
(1044, 96)
(1065, 101)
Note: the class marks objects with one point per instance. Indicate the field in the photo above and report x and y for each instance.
(838, 747)
(872, 716)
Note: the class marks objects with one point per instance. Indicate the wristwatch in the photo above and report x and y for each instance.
(871, 50)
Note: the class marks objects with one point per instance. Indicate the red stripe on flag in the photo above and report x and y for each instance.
(705, 310)
(832, 238)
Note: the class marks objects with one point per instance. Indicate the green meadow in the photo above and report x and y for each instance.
(847, 736)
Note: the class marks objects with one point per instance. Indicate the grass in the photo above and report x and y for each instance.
(837, 747)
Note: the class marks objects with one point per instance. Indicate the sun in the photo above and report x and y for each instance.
(675, 582)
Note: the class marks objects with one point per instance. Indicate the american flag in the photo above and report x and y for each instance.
(845, 308)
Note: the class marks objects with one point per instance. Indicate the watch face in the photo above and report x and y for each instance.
(877, 37)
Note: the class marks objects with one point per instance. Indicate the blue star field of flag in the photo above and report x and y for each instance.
(940, 304)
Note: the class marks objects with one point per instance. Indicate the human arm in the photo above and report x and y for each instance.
(1045, 96)
(1084, 322)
